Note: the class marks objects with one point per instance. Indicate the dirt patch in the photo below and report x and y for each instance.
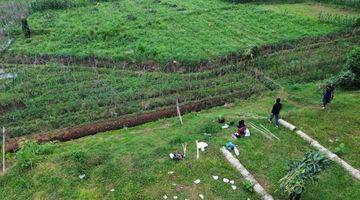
(130, 121)
(12, 106)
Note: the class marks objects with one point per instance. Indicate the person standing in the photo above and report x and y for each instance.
(275, 112)
(328, 96)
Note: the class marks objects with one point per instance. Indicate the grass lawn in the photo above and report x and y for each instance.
(186, 31)
(135, 161)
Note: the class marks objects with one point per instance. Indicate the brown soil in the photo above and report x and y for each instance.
(91, 129)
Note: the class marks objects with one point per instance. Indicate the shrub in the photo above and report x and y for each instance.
(210, 127)
(76, 155)
(30, 153)
(350, 78)
(307, 169)
(353, 62)
(344, 79)
(42, 5)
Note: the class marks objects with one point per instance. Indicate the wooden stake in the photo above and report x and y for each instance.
(197, 150)
(178, 111)
(3, 150)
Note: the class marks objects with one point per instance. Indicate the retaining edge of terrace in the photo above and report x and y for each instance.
(354, 172)
(67, 134)
(246, 174)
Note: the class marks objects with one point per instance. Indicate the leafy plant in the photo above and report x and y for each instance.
(341, 149)
(293, 183)
(249, 185)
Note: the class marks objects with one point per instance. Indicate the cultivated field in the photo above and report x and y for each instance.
(164, 31)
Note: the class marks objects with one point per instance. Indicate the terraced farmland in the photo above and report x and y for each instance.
(163, 31)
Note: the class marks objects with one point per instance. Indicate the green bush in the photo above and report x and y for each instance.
(42, 5)
(210, 127)
(350, 78)
(344, 79)
(353, 62)
(76, 155)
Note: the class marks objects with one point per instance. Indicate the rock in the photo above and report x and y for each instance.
(232, 182)
(201, 196)
(226, 180)
(197, 181)
(233, 187)
(215, 177)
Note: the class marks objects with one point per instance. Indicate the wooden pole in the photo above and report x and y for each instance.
(3, 150)
(178, 111)
(197, 150)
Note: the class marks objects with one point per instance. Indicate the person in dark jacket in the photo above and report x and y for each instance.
(329, 95)
(275, 112)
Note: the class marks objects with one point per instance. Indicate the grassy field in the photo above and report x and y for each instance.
(185, 31)
(135, 163)
(48, 97)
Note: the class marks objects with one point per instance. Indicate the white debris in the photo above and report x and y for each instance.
(165, 196)
(201, 145)
(174, 184)
(330, 140)
(226, 180)
(236, 150)
(232, 182)
(202, 149)
(225, 126)
(215, 177)
(112, 190)
(197, 181)
(81, 176)
(170, 172)
(175, 197)
(201, 196)
(233, 187)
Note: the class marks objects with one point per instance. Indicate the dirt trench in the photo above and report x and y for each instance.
(94, 128)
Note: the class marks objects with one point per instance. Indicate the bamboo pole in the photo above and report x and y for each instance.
(197, 150)
(178, 111)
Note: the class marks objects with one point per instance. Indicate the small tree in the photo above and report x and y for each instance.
(293, 184)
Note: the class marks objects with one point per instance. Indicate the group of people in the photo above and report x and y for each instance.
(275, 112)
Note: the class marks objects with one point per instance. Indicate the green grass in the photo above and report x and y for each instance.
(135, 161)
(202, 30)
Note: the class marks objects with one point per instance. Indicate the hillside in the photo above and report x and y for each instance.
(135, 163)
(89, 91)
